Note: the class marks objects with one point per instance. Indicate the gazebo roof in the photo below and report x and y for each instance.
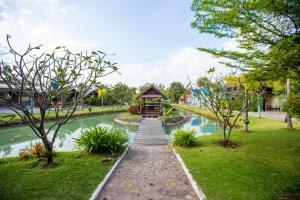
(151, 92)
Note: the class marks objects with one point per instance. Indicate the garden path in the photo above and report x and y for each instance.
(149, 170)
(272, 115)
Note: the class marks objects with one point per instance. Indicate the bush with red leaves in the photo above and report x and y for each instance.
(134, 109)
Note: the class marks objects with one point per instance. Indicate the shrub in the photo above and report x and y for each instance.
(134, 109)
(184, 138)
(38, 149)
(167, 105)
(24, 154)
(102, 140)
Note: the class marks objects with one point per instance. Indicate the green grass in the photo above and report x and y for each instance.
(76, 177)
(128, 115)
(265, 166)
(6, 118)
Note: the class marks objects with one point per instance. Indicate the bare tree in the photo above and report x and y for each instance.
(225, 100)
(55, 82)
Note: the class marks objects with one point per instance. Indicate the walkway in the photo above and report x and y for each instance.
(149, 171)
(272, 115)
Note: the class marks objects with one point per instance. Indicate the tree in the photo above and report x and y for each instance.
(293, 105)
(224, 99)
(267, 32)
(175, 91)
(160, 86)
(101, 93)
(49, 80)
(123, 93)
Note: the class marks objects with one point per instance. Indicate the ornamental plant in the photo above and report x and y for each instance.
(184, 138)
(102, 140)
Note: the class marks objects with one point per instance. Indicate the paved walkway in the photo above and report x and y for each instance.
(149, 171)
(272, 115)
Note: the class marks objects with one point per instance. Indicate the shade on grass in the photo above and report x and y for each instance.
(265, 166)
(76, 177)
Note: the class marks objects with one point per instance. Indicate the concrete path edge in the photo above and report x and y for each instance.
(195, 186)
(108, 175)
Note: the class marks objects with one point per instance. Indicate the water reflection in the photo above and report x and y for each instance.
(14, 139)
(202, 125)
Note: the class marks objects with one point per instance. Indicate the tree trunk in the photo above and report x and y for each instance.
(288, 93)
(102, 101)
(246, 118)
(258, 106)
(82, 103)
(49, 155)
(224, 133)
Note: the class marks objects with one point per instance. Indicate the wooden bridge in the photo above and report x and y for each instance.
(150, 132)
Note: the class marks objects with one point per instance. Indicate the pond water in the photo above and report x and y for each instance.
(14, 139)
(200, 124)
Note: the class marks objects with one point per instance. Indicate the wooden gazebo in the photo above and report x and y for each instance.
(151, 102)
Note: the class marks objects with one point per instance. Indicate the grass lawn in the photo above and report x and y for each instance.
(76, 177)
(128, 115)
(265, 166)
(6, 118)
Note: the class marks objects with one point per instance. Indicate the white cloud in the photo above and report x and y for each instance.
(22, 23)
(26, 26)
(25, 11)
(231, 44)
(186, 61)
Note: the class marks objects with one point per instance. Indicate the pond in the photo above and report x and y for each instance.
(14, 139)
(200, 124)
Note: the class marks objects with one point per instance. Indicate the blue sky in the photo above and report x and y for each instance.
(153, 40)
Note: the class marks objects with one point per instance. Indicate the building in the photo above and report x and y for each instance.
(270, 101)
(191, 97)
(150, 102)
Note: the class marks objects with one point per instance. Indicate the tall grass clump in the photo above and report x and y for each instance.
(102, 140)
(184, 138)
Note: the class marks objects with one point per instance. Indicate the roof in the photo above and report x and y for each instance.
(151, 92)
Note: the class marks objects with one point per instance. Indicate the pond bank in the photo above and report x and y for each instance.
(265, 166)
(131, 119)
(13, 139)
(5, 122)
(200, 111)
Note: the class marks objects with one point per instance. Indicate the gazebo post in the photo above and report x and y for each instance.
(158, 109)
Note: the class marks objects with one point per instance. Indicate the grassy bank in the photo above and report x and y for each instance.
(265, 166)
(76, 177)
(6, 119)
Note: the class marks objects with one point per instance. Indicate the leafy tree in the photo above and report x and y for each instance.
(251, 87)
(101, 93)
(145, 86)
(175, 91)
(267, 32)
(293, 105)
(123, 93)
(49, 80)
(221, 97)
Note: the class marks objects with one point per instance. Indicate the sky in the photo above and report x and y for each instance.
(152, 40)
